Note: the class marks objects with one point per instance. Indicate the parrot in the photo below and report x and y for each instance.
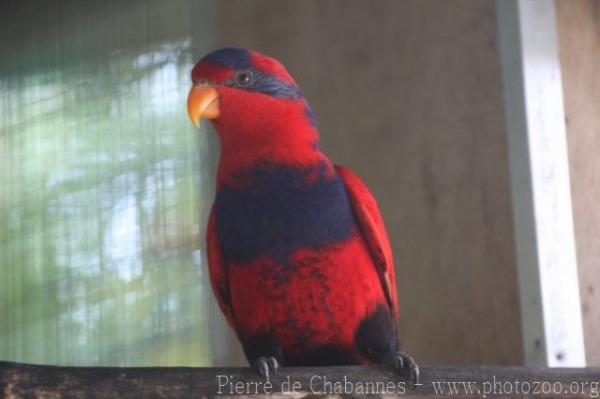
(298, 254)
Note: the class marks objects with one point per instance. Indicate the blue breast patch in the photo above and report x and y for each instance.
(280, 210)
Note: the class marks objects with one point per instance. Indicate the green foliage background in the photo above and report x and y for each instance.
(102, 187)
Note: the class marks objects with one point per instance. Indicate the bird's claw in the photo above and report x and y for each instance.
(401, 362)
(266, 366)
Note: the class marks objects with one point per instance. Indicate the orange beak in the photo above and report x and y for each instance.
(203, 102)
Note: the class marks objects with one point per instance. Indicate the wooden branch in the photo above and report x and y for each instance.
(30, 381)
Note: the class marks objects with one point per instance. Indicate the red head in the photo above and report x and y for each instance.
(258, 110)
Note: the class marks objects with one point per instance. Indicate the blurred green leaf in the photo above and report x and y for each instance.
(100, 191)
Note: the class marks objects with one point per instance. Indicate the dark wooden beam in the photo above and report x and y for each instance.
(31, 381)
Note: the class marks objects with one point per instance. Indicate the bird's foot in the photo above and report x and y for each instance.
(266, 366)
(403, 363)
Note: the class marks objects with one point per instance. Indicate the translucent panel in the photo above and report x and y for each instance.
(102, 189)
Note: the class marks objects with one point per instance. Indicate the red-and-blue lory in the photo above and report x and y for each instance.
(298, 254)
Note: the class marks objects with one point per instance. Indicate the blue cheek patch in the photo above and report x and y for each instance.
(272, 86)
(237, 59)
(282, 210)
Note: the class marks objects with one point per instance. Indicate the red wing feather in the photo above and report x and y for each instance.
(373, 231)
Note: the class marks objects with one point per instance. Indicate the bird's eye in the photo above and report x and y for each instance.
(200, 82)
(243, 77)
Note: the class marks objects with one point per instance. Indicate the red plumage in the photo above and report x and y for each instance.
(298, 254)
(354, 278)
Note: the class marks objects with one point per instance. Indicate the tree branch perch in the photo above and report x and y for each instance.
(32, 381)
